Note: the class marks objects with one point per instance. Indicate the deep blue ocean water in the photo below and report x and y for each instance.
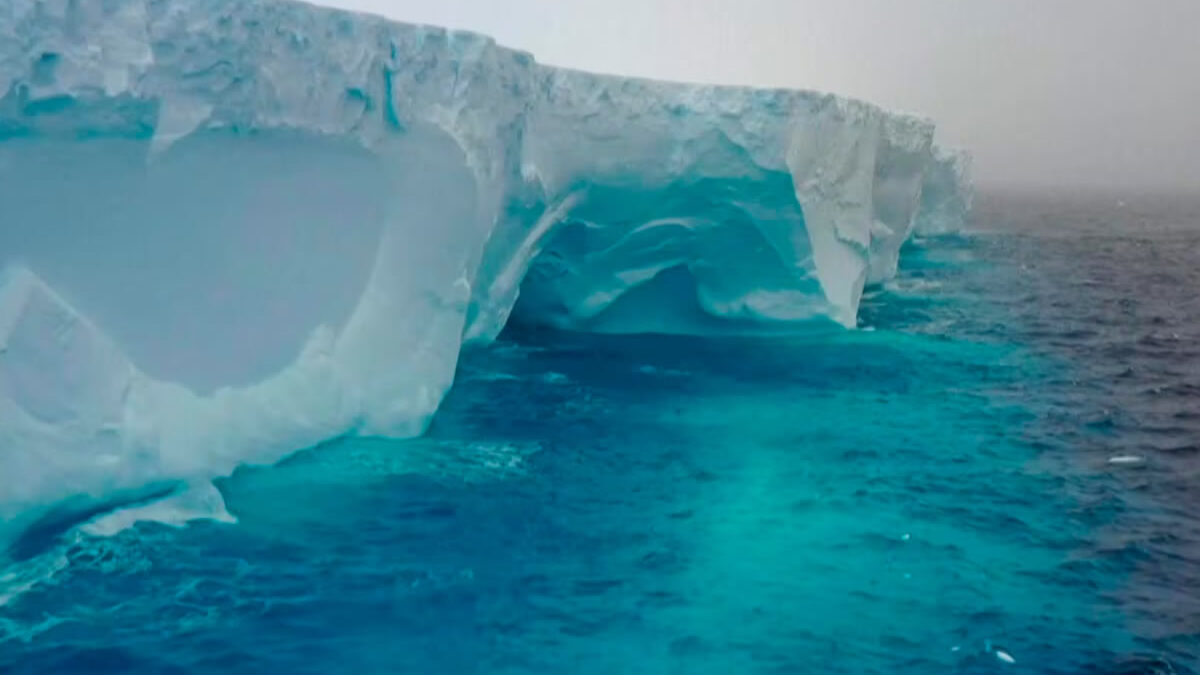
(935, 493)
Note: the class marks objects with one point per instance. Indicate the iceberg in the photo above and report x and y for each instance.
(235, 229)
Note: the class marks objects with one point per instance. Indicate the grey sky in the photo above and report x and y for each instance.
(1051, 92)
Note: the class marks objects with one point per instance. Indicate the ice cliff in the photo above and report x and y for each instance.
(235, 229)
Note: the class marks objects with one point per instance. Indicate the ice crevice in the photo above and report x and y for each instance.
(232, 230)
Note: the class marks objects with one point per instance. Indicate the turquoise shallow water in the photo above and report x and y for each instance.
(934, 493)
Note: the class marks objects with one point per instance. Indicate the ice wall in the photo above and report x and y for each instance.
(947, 194)
(235, 229)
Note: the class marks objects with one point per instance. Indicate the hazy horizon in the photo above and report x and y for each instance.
(1097, 94)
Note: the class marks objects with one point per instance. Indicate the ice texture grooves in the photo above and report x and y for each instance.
(473, 174)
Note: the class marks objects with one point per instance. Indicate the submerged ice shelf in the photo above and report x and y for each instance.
(196, 193)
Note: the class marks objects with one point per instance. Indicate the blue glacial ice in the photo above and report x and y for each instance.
(235, 229)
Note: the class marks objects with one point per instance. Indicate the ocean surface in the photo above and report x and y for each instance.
(1000, 473)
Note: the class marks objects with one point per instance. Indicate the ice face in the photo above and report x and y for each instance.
(947, 194)
(236, 229)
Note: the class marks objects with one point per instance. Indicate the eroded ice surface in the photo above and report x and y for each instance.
(236, 229)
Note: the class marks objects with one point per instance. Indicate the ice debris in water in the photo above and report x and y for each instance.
(320, 208)
(998, 652)
(1126, 459)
